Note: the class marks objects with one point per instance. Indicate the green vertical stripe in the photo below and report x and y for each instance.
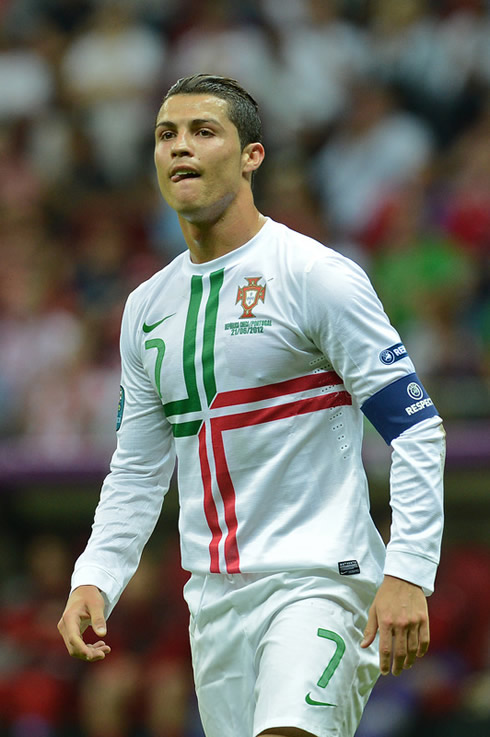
(216, 282)
(192, 402)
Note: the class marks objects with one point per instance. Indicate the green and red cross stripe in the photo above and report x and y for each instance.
(219, 423)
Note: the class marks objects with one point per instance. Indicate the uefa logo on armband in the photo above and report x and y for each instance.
(393, 353)
(415, 391)
(387, 356)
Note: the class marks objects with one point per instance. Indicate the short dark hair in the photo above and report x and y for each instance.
(242, 108)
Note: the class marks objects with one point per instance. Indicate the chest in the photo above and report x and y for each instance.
(222, 332)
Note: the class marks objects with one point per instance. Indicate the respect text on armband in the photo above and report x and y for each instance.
(418, 406)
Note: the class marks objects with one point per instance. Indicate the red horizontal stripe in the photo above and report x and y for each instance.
(269, 391)
(280, 411)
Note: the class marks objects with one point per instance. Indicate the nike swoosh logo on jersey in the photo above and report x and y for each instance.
(312, 702)
(149, 328)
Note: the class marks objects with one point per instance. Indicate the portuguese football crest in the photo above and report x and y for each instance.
(250, 295)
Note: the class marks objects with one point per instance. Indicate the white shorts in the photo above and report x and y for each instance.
(280, 650)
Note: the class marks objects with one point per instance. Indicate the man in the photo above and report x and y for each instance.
(263, 347)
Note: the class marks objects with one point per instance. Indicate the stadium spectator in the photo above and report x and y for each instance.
(224, 40)
(37, 690)
(375, 147)
(148, 684)
(426, 280)
(322, 54)
(109, 73)
(26, 80)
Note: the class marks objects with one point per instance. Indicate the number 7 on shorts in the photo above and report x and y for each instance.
(331, 667)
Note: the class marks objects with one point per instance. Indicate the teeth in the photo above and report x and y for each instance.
(182, 173)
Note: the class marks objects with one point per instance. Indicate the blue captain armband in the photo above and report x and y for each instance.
(399, 406)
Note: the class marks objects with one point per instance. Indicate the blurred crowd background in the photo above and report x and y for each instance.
(377, 130)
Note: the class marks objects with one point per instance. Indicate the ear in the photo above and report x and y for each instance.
(252, 157)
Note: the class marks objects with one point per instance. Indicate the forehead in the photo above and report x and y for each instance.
(182, 107)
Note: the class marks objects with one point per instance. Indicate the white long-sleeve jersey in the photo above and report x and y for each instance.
(254, 371)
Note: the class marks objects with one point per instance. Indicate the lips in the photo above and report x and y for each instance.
(180, 173)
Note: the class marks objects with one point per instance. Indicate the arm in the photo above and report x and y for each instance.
(353, 330)
(399, 610)
(129, 505)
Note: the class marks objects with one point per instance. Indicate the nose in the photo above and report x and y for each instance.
(180, 145)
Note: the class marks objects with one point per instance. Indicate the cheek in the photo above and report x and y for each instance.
(157, 160)
(228, 171)
(162, 180)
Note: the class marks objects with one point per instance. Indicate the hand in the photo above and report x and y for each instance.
(399, 611)
(84, 607)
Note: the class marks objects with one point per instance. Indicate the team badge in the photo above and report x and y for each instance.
(250, 295)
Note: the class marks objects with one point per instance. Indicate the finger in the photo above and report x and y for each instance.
(70, 628)
(100, 643)
(412, 646)
(97, 619)
(371, 628)
(79, 649)
(98, 651)
(400, 650)
(385, 649)
(424, 638)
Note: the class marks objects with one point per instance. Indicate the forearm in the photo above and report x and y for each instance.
(417, 504)
(129, 507)
(130, 501)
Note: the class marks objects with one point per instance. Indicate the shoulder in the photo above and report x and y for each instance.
(301, 250)
(146, 291)
(318, 270)
(320, 261)
(153, 291)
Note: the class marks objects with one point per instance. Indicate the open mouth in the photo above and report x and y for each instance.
(184, 174)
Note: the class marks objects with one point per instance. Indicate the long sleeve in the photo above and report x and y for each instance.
(416, 493)
(140, 473)
(348, 322)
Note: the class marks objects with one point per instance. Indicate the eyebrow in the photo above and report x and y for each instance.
(193, 123)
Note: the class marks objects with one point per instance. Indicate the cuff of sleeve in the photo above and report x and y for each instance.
(413, 568)
(93, 576)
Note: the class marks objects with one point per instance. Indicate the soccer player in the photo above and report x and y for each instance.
(252, 358)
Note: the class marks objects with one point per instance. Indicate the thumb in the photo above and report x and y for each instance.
(98, 622)
(99, 627)
(371, 628)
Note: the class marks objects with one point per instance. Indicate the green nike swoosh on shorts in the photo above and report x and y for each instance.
(149, 328)
(312, 702)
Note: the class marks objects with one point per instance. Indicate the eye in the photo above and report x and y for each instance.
(166, 135)
(205, 132)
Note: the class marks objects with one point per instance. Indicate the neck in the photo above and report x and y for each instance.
(210, 239)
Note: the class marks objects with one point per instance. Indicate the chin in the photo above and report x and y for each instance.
(204, 213)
